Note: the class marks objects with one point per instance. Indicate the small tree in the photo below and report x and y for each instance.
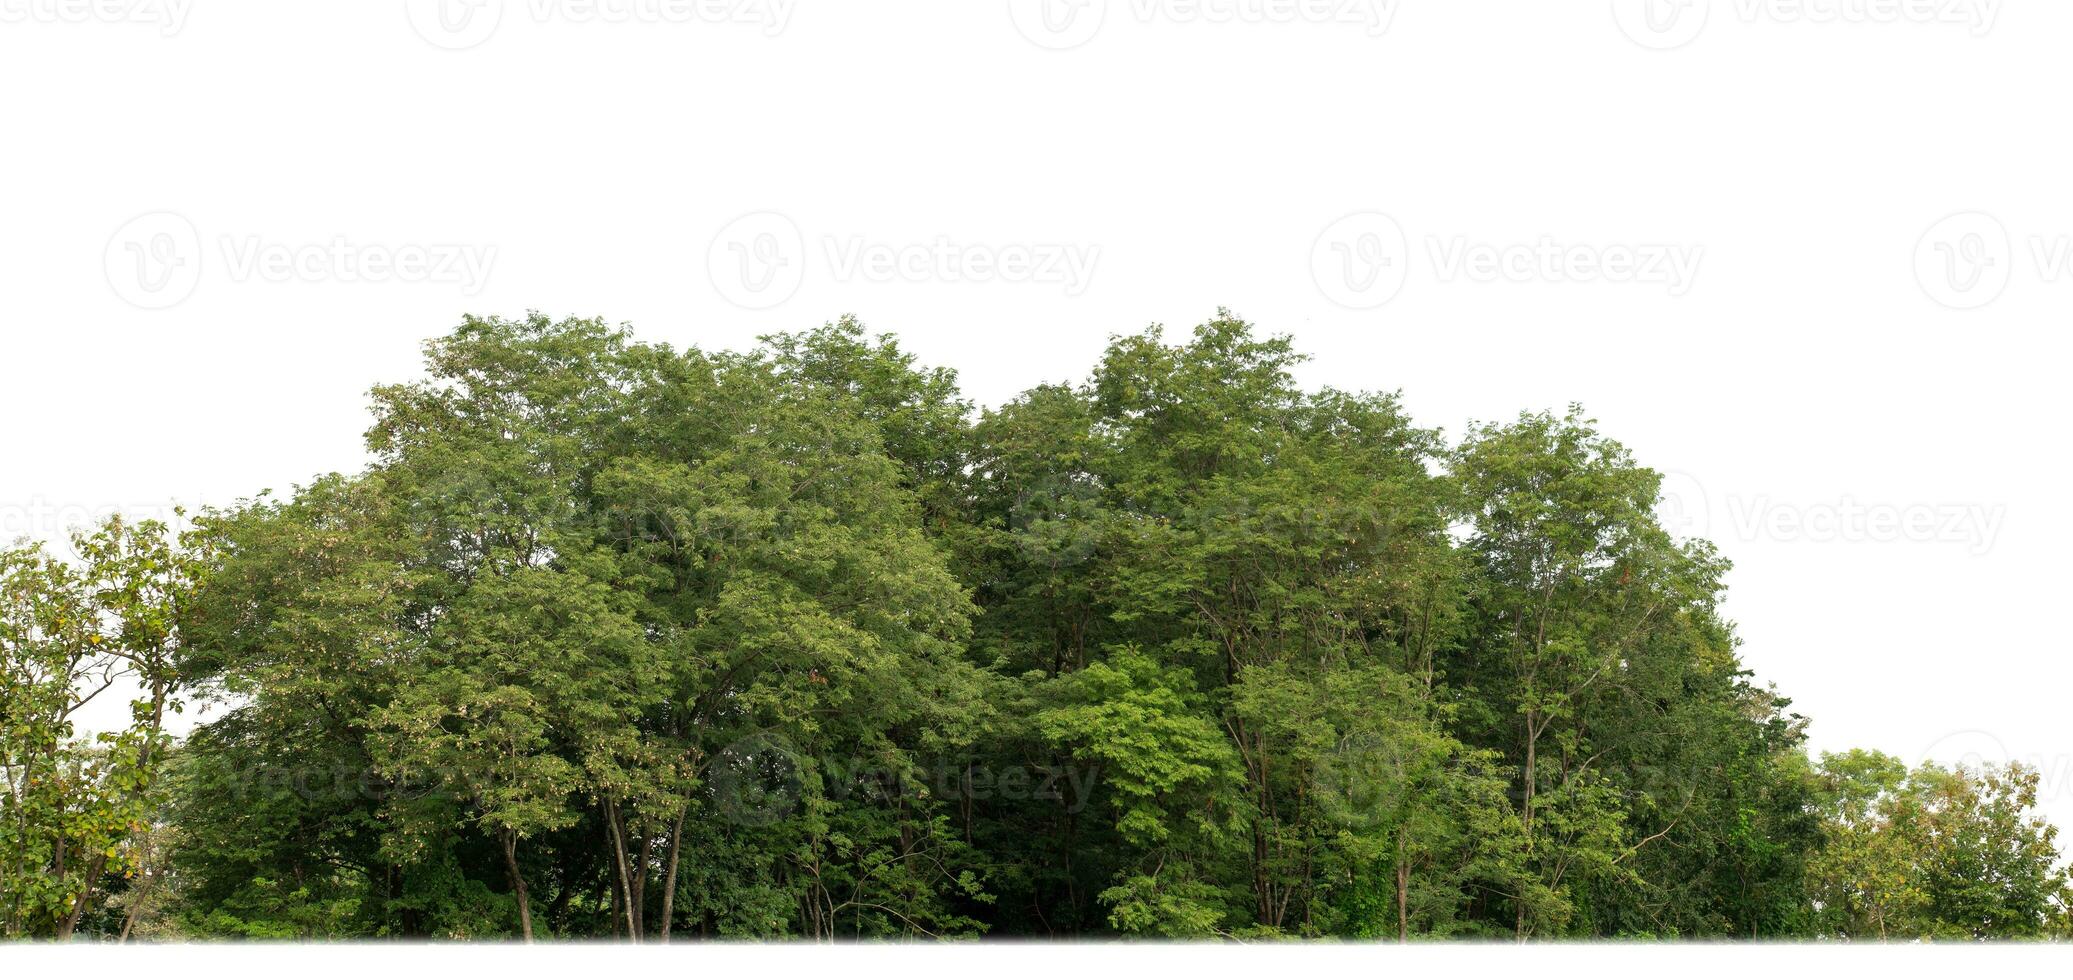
(70, 633)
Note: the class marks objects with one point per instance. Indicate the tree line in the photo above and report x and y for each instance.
(612, 639)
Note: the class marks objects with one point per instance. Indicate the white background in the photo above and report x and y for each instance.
(1860, 401)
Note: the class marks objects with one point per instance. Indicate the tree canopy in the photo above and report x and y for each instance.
(612, 639)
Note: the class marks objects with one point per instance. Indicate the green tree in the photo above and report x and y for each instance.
(1934, 853)
(613, 639)
(70, 632)
(580, 570)
(1168, 770)
(1583, 604)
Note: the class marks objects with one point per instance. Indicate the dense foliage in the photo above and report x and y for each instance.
(616, 640)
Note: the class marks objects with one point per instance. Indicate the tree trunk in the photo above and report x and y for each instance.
(86, 892)
(633, 921)
(639, 870)
(147, 882)
(525, 907)
(1403, 891)
(100, 859)
(669, 878)
(612, 902)
(1531, 778)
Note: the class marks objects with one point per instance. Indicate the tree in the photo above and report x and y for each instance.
(1385, 795)
(70, 633)
(1168, 770)
(1934, 853)
(1583, 605)
(527, 662)
(579, 571)
(612, 639)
